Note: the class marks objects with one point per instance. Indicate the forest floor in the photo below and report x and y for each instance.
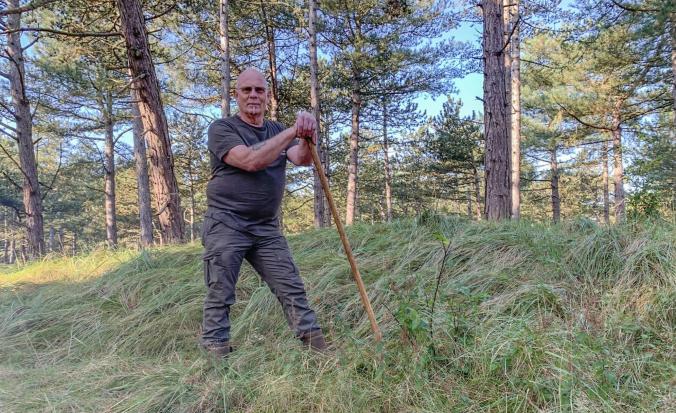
(529, 318)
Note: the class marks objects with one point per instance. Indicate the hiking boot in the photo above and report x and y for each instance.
(314, 340)
(219, 349)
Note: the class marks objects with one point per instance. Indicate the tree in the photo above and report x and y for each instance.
(496, 122)
(321, 212)
(22, 132)
(165, 187)
(372, 42)
(457, 149)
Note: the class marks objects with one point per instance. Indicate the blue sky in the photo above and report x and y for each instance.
(468, 88)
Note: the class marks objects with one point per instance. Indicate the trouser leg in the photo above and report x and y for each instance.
(224, 252)
(272, 259)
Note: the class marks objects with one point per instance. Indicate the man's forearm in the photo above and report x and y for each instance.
(262, 154)
(301, 154)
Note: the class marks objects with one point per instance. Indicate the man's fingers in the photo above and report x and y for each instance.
(305, 125)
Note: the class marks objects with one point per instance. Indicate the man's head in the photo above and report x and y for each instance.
(251, 93)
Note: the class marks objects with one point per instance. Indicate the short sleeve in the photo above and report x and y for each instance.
(222, 137)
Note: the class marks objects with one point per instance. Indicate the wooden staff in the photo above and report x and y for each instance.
(346, 244)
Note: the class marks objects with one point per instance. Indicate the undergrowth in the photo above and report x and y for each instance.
(525, 317)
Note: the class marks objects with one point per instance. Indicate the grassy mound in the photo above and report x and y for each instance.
(527, 317)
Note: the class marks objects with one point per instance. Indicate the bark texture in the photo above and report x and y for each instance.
(320, 207)
(556, 199)
(386, 166)
(272, 62)
(32, 199)
(225, 57)
(515, 136)
(618, 168)
(143, 187)
(353, 157)
(496, 122)
(109, 170)
(604, 182)
(165, 187)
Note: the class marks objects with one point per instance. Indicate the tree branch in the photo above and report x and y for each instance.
(14, 162)
(589, 125)
(62, 33)
(26, 7)
(633, 8)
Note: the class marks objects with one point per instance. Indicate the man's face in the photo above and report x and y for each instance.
(251, 94)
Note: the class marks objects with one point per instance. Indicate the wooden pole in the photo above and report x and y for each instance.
(346, 244)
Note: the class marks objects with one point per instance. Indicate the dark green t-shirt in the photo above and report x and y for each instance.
(246, 201)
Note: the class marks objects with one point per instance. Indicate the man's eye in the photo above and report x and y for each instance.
(260, 90)
(246, 89)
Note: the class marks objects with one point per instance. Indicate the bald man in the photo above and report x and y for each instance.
(248, 156)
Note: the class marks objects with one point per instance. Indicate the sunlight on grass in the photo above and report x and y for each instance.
(529, 317)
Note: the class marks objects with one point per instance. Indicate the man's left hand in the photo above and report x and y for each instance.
(306, 126)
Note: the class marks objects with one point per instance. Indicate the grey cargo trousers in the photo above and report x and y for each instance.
(225, 248)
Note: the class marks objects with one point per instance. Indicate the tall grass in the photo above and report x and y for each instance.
(529, 317)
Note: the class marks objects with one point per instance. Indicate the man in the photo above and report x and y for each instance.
(248, 156)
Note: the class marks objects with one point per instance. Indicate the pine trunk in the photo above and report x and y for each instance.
(52, 239)
(556, 200)
(516, 112)
(272, 62)
(225, 58)
(320, 208)
(477, 191)
(32, 200)
(143, 186)
(386, 166)
(618, 169)
(353, 157)
(165, 187)
(109, 171)
(604, 181)
(672, 33)
(496, 121)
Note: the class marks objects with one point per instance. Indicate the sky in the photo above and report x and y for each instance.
(469, 88)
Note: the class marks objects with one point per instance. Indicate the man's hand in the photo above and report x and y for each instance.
(306, 126)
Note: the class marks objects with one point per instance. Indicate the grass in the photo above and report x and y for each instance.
(529, 318)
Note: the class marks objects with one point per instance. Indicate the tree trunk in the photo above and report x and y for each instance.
(320, 208)
(672, 33)
(5, 248)
(556, 200)
(353, 165)
(225, 58)
(497, 204)
(143, 186)
(516, 111)
(272, 60)
(618, 169)
(60, 240)
(32, 200)
(192, 200)
(144, 80)
(477, 191)
(604, 181)
(386, 166)
(109, 171)
(74, 245)
(12, 252)
(52, 239)
(468, 196)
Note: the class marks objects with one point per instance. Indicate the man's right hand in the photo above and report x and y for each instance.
(306, 125)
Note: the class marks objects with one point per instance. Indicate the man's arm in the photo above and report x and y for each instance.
(301, 154)
(257, 157)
